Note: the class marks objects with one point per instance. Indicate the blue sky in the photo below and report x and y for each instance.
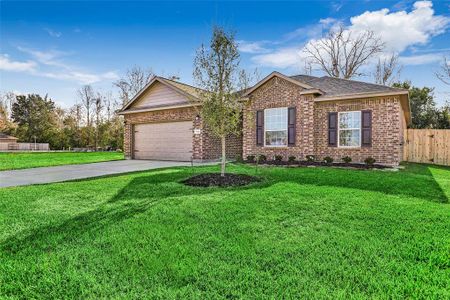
(55, 47)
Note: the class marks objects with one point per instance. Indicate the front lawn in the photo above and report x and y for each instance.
(300, 233)
(24, 160)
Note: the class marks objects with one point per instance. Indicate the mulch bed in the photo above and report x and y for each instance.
(320, 164)
(214, 179)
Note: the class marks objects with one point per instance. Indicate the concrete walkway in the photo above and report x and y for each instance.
(70, 172)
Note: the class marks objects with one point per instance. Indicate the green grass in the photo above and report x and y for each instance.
(24, 160)
(299, 234)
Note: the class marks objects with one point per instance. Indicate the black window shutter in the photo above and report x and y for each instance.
(260, 127)
(366, 128)
(332, 129)
(291, 125)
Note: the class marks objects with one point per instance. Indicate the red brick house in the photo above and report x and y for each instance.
(288, 116)
(162, 122)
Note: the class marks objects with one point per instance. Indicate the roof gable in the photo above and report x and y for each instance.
(160, 92)
(279, 75)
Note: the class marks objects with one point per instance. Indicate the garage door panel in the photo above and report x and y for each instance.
(164, 141)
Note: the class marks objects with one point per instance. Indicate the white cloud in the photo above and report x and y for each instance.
(420, 59)
(81, 77)
(400, 30)
(50, 57)
(52, 66)
(312, 31)
(281, 58)
(336, 6)
(7, 64)
(53, 33)
(251, 47)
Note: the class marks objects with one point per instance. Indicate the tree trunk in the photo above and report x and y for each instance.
(224, 159)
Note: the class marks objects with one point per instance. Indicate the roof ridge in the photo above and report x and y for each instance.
(352, 80)
(179, 82)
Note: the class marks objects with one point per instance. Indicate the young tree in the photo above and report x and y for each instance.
(342, 52)
(387, 70)
(216, 72)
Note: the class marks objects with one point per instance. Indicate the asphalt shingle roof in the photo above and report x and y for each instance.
(333, 87)
(5, 136)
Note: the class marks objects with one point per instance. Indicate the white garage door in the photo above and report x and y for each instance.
(163, 141)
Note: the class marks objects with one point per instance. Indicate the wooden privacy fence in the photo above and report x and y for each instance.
(24, 147)
(430, 146)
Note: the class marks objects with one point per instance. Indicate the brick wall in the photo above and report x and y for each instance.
(386, 129)
(212, 146)
(280, 93)
(204, 147)
(312, 124)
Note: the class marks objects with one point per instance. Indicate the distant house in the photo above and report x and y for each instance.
(4, 138)
(283, 115)
(9, 143)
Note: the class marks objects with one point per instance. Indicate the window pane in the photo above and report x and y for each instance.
(349, 138)
(276, 138)
(350, 119)
(275, 118)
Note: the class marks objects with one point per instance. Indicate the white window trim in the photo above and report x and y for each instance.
(339, 130)
(275, 146)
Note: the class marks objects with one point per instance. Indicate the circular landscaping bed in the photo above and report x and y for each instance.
(214, 179)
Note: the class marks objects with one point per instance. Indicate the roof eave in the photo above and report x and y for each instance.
(147, 109)
(360, 95)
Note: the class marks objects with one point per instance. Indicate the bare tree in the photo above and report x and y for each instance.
(8, 99)
(444, 73)
(98, 116)
(307, 68)
(108, 105)
(216, 71)
(342, 52)
(133, 81)
(248, 78)
(387, 70)
(86, 96)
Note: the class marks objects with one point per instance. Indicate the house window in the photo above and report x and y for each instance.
(349, 129)
(275, 127)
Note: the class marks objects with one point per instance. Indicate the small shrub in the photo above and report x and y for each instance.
(328, 159)
(251, 158)
(238, 158)
(370, 161)
(278, 158)
(262, 158)
(347, 159)
(119, 150)
(291, 159)
(310, 158)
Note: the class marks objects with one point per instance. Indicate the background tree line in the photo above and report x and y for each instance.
(92, 122)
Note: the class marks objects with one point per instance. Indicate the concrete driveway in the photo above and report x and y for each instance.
(70, 172)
